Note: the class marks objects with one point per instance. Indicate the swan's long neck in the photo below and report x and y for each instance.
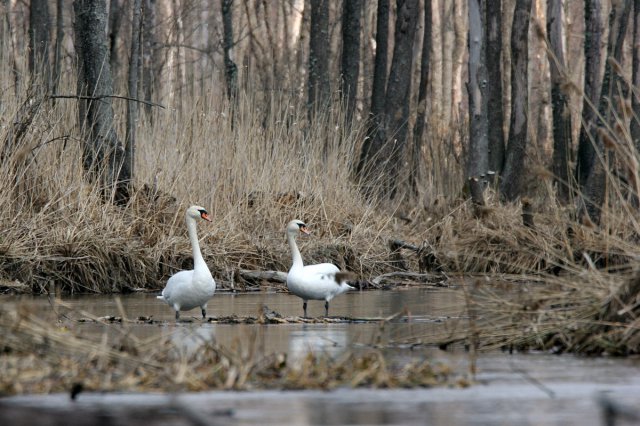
(198, 261)
(295, 252)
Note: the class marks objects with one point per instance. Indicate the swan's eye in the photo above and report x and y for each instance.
(302, 226)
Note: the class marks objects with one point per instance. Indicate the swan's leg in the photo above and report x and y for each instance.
(177, 315)
(326, 308)
(204, 313)
(304, 307)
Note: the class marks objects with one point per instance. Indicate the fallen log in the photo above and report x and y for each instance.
(436, 279)
(272, 276)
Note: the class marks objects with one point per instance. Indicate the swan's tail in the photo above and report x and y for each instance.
(342, 277)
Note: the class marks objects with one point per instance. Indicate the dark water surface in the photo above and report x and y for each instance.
(528, 389)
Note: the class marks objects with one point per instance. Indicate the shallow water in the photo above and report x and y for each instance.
(535, 389)
(428, 311)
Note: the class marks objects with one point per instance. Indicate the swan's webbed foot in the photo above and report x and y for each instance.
(304, 307)
(326, 309)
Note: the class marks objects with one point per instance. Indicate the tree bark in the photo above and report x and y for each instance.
(460, 18)
(478, 158)
(448, 39)
(39, 40)
(133, 78)
(418, 128)
(150, 60)
(635, 77)
(103, 154)
(319, 91)
(595, 188)
(57, 57)
(495, 111)
(559, 102)
(592, 86)
(391, 138)
(230, 67)
(115, 18)
(351, 24)
(513, 173)
(379, 85)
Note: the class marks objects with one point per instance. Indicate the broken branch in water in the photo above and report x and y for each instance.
(437, 279)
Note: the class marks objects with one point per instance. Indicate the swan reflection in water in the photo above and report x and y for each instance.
(325, 340)
(319, 340)
(189, 340)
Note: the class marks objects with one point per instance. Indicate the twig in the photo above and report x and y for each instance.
(99, 97)
(533, 381)
(398, 244)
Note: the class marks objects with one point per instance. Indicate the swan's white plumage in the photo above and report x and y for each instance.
(186, 290)
(322, 281)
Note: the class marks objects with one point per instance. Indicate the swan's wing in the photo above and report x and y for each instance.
(176, 281)
(321, 271)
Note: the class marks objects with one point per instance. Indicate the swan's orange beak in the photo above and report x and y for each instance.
(206, 216)
(305, 230)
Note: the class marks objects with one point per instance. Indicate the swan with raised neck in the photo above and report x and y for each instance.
(190, 289)
(322, 281)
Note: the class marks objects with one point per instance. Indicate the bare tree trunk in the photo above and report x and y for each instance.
(596, 185)
(39, 40)
(448, 39)
(539, 109)
(559, 102)
(512, 175)
(134, 73)
(230, 67)
(495, 111)
(379, 85)
(103, 154)
(13, 50)
(57, 57)
(460, 15)
(115, 18)
(635, 77)
(318, 83)
(379, 88)
(478, 155)
(592, 86)
(351, 18)
(437, 59)
(418, 128)
(150, 59)
(387, 151)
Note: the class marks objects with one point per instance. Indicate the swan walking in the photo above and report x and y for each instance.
(186, 290)
(323, 281)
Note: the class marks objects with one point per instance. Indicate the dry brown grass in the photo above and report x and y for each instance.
(253, 176)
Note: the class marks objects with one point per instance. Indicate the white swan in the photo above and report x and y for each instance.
(186, 290)
(323, 281)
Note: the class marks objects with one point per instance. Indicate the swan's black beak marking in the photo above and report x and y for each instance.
(205, 215)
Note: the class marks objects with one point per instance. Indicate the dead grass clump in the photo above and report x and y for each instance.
(369, 369)
(501, 243)
(592, 313)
